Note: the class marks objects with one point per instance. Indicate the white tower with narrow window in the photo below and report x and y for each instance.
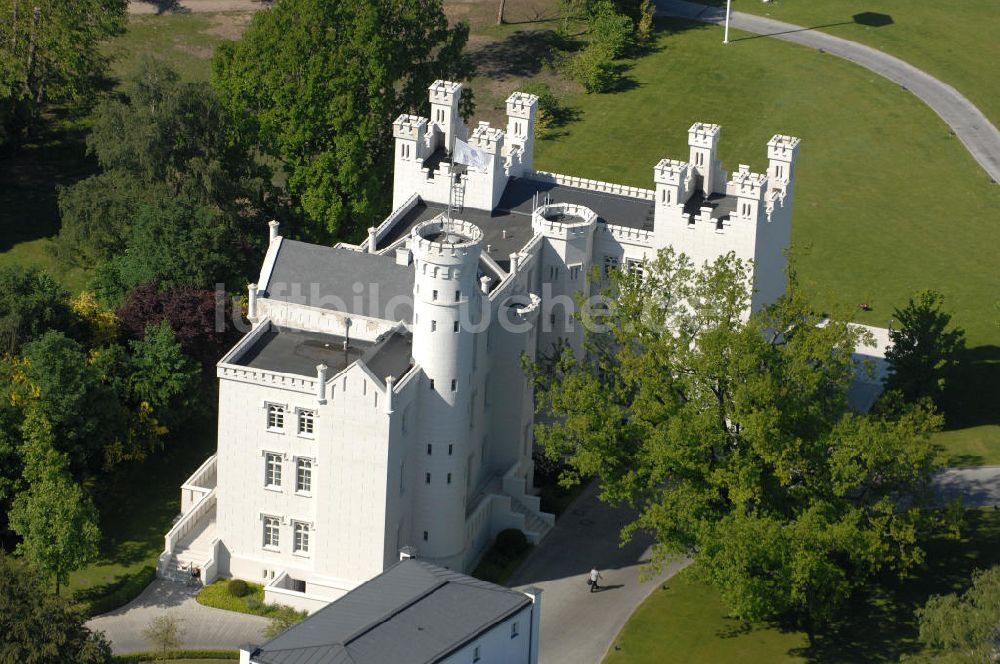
(445, 293)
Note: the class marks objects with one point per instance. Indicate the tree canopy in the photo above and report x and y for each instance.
(31, 302)
(49, 52)
(318, 84)
(963, 628)
(733, 438)
(924, 349)
(39, 627)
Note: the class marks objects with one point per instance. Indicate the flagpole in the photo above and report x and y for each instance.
(729, 6)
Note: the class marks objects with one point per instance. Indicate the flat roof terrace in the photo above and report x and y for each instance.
(298, 352)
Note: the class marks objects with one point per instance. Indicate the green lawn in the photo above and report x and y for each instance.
(887, 202)
(953, 41)
(686, 623)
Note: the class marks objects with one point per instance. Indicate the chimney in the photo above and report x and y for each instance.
(372, 243)
(484, 283)
(513, 262)
(252, 302)
(389, 382)
(321, 370)
(273, 225)
(403, 256)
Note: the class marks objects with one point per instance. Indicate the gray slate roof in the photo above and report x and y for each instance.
(341, 279)
(413, 613)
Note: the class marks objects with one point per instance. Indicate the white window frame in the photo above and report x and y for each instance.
(575, 271)
(271, 526)
(305, 415)
(302, 528)
(280, 411)
(298, 468)
(279, 462)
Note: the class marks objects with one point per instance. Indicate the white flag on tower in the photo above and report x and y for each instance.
(470, 156)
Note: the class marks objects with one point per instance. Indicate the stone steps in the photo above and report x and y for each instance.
(535, 527)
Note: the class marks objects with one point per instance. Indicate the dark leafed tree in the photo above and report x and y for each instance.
(733, 439)
(318, 84)
(39, 627)
(924, 347)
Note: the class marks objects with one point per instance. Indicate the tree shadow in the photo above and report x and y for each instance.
(167, 6)
(868, 19)
(522, 54)
(972, 390)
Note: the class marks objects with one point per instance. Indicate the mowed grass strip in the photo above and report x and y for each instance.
(953, 41)
(887, 201)
(687, 622)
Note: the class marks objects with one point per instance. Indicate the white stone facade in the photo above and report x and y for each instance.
(419, 433)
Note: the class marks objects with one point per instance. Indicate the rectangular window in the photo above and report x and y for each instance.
(475, 654)
(454, 384)
(301, 541)
(634, 266)
(275, 416)
(449, 478)
(434, 326)
(574, 272)
(430, 448)
(303, 475)
(427, 478)
(306, 422)
(272, 470)
(513, 630)
(610, 263)
(425, 535)
(432, 383)
(450, 449)
(271, 526)
(454, 326)
(458, 295)
(434, 295)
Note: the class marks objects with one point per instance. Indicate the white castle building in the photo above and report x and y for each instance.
(379, 405)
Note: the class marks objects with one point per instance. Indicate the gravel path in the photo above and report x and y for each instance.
(979, 136)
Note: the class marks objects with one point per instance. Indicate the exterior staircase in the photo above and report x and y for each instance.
(192, 543)
(536, 527)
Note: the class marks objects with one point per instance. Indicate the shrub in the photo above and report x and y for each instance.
(254, 605)
(175, 654)
(550, 114)
(238, 588)
(644, 30)
(594, 69)
(609, 30)
(511, 543)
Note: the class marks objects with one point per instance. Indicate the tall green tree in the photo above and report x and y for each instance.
(963, 628)
(31, 302)
(163, 376)
(39, 627)
(318, 85)
(733, 439)
(49, 52)
(924, 348)
(55, 519)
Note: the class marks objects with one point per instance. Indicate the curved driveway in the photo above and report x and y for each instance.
(979, 136)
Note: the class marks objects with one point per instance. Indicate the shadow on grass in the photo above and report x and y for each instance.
(523, 54)
(30, 174)
(972, 392)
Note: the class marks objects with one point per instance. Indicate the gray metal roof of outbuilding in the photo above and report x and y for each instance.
(342, 279)
(413, 613)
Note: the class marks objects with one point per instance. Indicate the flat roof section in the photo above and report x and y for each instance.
(612, 209)
(298, 352)
(722, 205)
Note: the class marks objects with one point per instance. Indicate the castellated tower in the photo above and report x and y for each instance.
(444, 97)
(445, 257)
(703, 139)
(521, 110)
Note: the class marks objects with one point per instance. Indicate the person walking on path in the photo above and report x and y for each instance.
(594, 577)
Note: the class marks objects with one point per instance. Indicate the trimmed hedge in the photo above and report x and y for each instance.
(238, 588)
(175, 654)
(121, 593)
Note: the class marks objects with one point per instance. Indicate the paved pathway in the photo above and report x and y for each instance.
(578, 627)
(977, 487)
(979, 136)
(201, 626)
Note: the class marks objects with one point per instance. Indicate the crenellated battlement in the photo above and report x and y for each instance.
(444, 238)
(783, 147)
(487, 138)
(704, 135)
(670, 171)
(745, 183)
(409, 127)
(522, 105)
(444, 92)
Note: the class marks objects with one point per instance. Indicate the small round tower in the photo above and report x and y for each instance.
(445, 287)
